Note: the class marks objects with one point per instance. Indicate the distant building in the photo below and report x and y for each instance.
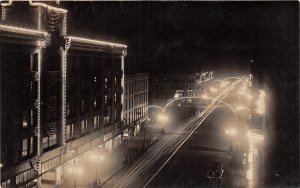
(163, 87)
(135, 102)
(61, 96)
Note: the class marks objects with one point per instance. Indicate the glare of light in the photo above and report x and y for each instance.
(101, 157)
(93, 157)
(241, 92)
(260, 103)
(231, 131)
(212, 89)
(79, 170)
(204, 96)
(249, 97)
(249, 133)
(162, 118)
(176, 95)
(250, 175)
(70, 169)
(242, 108)
(239, 108)
(224, 84)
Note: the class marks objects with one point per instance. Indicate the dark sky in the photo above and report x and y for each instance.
(187, 36)
(226, 37)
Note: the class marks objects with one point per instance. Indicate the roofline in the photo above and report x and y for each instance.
(44, 5)
(20, 30)
(96, 42)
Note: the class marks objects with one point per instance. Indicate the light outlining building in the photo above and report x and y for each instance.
(61, 96)
(135, 102)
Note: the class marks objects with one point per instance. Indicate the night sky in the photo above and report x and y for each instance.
(188, 36)
(226, 37)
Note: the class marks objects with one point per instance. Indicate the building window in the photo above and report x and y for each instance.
(49, 141)
(106, 119)
(83, 126)
(31, 117)
(24, 147)
(52, 140)
(34, 62)
(25, 176)
(68, 108)
(105, 83)
(105, 100)
(6, 184)
(82, 105)
(95, 122)
(69, 131)
(95, 103)
(25, 119)
(31, 145)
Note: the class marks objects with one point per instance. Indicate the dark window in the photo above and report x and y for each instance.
(49, 141)
(69, 131)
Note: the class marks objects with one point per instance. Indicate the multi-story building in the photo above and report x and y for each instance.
(135, 102)
(163, 87)
(61, 96)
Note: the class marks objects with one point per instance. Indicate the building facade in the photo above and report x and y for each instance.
(135, 103)
(61, 96)
(163, 87)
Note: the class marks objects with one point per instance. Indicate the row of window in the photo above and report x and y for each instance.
(6, 184)
(136, 114)
(21, 178)
(84, 125)
(131, 102)
(27, 147)
(25, 176)
(49, 141)
(28, 118)
(70, 105)
(132, 87)
(50, 164)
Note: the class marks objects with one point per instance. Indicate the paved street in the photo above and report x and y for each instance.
(189, 166)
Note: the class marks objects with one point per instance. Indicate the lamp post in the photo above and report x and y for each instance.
(163, 118)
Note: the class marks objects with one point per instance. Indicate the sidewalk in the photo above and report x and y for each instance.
(125, 155)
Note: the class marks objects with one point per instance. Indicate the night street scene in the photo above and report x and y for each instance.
(157, 94)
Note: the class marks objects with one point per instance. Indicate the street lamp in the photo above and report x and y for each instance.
(213, 89)
(163, 118)
(230, 132)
